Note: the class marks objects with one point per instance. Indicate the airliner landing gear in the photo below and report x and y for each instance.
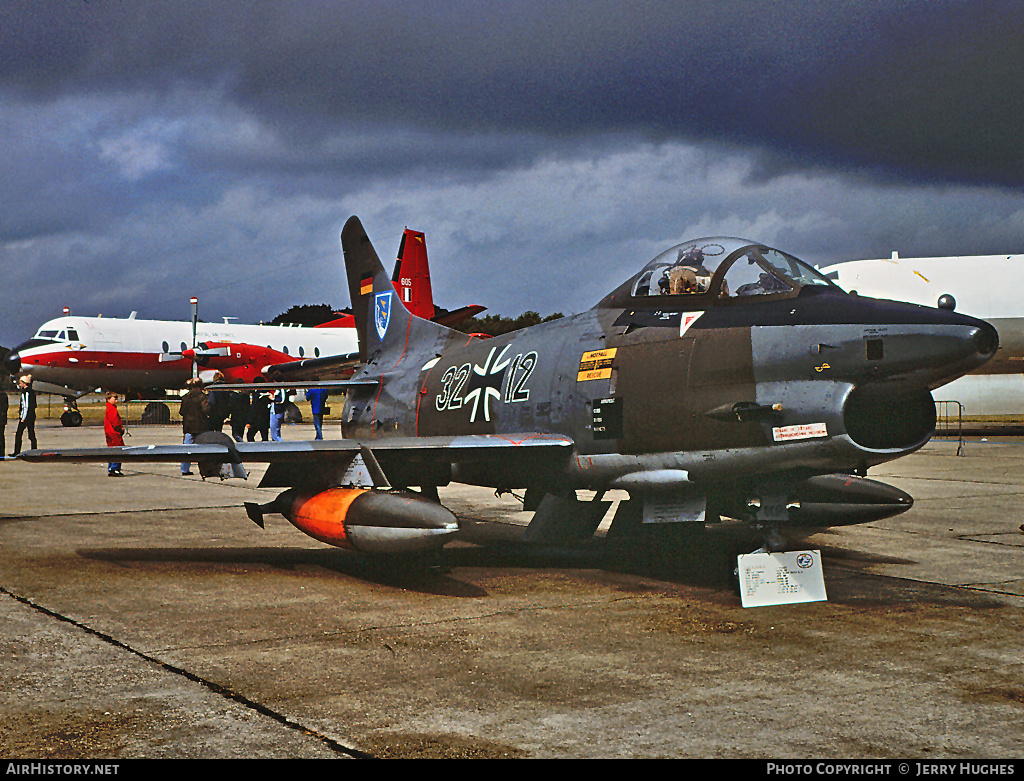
(71, 417)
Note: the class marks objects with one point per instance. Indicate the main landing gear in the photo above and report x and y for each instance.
(71, 417)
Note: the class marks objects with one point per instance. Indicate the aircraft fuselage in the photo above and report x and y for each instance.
(814, 383)
(84, 353)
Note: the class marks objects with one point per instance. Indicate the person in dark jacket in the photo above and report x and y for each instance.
(4, 406)
(195, 412)
(259, 416)
(219, 402)
(26, 414)
(113, 429)
(239, 414)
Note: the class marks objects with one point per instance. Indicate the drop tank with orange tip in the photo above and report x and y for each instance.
(363, 520)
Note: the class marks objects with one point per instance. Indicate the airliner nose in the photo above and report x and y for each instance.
(12, 362)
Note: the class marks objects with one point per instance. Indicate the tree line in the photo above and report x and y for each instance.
(311, 315)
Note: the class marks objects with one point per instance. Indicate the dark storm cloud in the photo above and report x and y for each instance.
(931, 90)
(157, 150)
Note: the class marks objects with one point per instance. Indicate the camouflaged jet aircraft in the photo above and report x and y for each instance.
(725, 379)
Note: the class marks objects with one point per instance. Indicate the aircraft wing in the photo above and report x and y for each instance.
(61, 390)
(329, 367)
(456, 316)
(292, 384)
(300, 462)
(455, 447)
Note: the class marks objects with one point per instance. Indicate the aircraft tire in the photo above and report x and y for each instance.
(156, 412)
(71, 419)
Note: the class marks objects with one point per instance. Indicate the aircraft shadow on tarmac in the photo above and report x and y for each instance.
(672, 554)
(675, 556)
(420, 574)
(708, 561)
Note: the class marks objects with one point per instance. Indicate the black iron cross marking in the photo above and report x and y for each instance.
(485, 383)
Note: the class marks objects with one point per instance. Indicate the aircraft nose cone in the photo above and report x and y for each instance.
(12, 362)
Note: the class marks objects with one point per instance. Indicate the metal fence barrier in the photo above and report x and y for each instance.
(165, 411)
(946, 425)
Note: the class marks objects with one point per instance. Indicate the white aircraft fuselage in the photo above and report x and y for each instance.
(84, 353)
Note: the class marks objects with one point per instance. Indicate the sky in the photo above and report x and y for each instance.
(152, 151)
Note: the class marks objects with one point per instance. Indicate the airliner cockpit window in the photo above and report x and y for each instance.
(46, 335)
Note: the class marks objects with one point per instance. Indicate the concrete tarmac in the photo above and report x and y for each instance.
(147, 617)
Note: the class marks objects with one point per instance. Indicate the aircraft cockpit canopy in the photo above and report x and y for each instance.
(57, 334)
(724, 269)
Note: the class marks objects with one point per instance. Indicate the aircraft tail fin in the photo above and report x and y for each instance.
(412, 275)
(412, 281)
(383, 324)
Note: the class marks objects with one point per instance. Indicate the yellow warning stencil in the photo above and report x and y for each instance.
(596, 365)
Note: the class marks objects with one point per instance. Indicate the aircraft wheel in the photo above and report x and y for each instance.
(292, 414)
(156, 412)
(71, 419)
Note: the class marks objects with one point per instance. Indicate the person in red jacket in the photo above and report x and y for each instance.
(113, 427)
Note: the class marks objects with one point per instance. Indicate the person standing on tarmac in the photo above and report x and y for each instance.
(317, 398)
(277, 405)
(4, 405)
(194, 411)
(113, 428)
(26, 414)
(239, 404)
(259, 416)
(220, 404)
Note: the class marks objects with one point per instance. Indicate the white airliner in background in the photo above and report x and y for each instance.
(990, 287)
(72, 355)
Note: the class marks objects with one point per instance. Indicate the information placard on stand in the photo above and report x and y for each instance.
(783, 578)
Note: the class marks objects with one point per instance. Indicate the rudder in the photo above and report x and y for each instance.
(412, 275)
(383, 324)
